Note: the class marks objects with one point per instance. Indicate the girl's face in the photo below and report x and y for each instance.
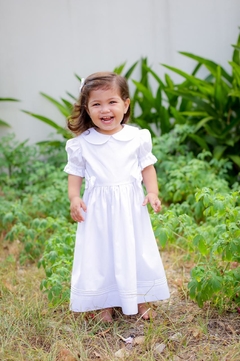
(106, 109)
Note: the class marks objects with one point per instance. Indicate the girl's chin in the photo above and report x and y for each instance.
(108, 129)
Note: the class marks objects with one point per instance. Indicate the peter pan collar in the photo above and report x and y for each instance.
(94, 137)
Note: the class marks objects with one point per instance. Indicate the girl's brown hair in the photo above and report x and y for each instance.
(79, 121)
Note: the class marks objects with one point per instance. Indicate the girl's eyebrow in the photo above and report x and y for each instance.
(97, 100)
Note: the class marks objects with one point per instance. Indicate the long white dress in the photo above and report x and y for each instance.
(116, 258)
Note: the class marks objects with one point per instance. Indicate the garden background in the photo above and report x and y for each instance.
(44, 43)
(190, 102)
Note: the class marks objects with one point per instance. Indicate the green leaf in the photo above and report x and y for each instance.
(196, 98)
(144, 125)
(210, 65)
(178, 116)
(220, 92)
(118, 70)
(203, 86)
(162, 236)
(72, 96)
(236, 69)
(199, 140)
(218, 151)
(236, 47)
(194, 113)
(145, 91)
(78, 77)
(165, 121)
(2, 123)
(156, 77)
(47, 121)
(9, 100)
(234, 93)
(158, 99)
(68, 105)
(63, 109)
(130, 70)
(169, 81)
(202, 122)
(201, 244)
(235, 159)
(215, 282)
(192, 286)
(236, 53)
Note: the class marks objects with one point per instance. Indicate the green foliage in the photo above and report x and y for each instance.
(180, 174)
(219, 243)
(154, 110)
(200, 215)
(65, 107)
(57, 262)
(214, 242)
(21, 165)
(34, 193)
(211, 106)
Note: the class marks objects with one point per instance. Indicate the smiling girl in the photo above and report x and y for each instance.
(116, 258)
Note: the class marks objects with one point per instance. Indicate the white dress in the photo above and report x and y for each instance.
(116, 258)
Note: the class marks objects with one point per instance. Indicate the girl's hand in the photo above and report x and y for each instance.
(155, 202)
(75, 209)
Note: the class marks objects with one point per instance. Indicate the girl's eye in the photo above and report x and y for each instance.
(113, 102)
(95, 104)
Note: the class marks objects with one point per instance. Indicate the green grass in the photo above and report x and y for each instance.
(32, 330)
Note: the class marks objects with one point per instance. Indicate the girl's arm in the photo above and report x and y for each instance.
(151, 184)
(76, 203)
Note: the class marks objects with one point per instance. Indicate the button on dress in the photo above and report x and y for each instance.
(116, 258)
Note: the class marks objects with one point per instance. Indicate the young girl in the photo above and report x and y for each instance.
(116, 258)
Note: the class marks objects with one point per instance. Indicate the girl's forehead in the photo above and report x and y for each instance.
(105, 92)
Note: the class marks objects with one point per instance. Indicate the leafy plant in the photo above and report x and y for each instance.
(57, 263)
(211, 106)
(21, 165)
(34, 193)
(181, 174)
(65, 108)
(213, 243)
(151, 111)
(216, 278)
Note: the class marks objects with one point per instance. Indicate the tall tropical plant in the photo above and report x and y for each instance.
(151, 110)
(211, 106)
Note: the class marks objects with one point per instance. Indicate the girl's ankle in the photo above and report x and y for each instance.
(143, 310)
(105, 315)
(146, 311)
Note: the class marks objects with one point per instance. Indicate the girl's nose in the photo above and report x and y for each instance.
(104, 109)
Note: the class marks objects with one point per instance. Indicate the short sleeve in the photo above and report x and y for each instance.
(76, 163)
(146, 157)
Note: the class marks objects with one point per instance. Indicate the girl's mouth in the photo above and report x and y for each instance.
(106, 119)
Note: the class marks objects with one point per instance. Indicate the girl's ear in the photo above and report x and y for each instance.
(126, 104)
